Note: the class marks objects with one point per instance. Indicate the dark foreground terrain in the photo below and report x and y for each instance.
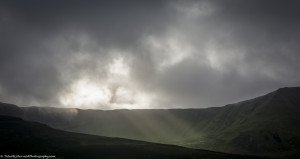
(266, 126)
(19, 137)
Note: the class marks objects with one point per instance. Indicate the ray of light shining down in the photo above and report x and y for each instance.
(172, 129)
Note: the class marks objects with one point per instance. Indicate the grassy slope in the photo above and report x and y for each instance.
(278, 125)
(264, 125)
(267, 124)
(20, 137)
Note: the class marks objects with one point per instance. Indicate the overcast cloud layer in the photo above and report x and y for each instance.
(146, 54)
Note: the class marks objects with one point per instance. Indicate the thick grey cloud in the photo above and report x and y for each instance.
(146, 54)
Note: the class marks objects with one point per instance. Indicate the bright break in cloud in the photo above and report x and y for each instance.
(146, 54)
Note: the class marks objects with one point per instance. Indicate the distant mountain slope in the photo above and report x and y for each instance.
(267, 125)
(19, 137)
(11, 110)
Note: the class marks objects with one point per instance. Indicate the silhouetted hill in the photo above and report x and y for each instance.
(266, 125)
(10, 110)
(19, 137)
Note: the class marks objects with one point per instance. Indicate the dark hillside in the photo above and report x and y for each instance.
(19, 137)
(266, 125)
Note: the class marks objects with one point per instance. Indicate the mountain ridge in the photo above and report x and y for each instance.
(265, 125)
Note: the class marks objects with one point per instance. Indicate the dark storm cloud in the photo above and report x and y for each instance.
(255, 43)
(185, 53)
(31, 68)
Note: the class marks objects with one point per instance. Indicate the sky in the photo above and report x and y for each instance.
(142, 54)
